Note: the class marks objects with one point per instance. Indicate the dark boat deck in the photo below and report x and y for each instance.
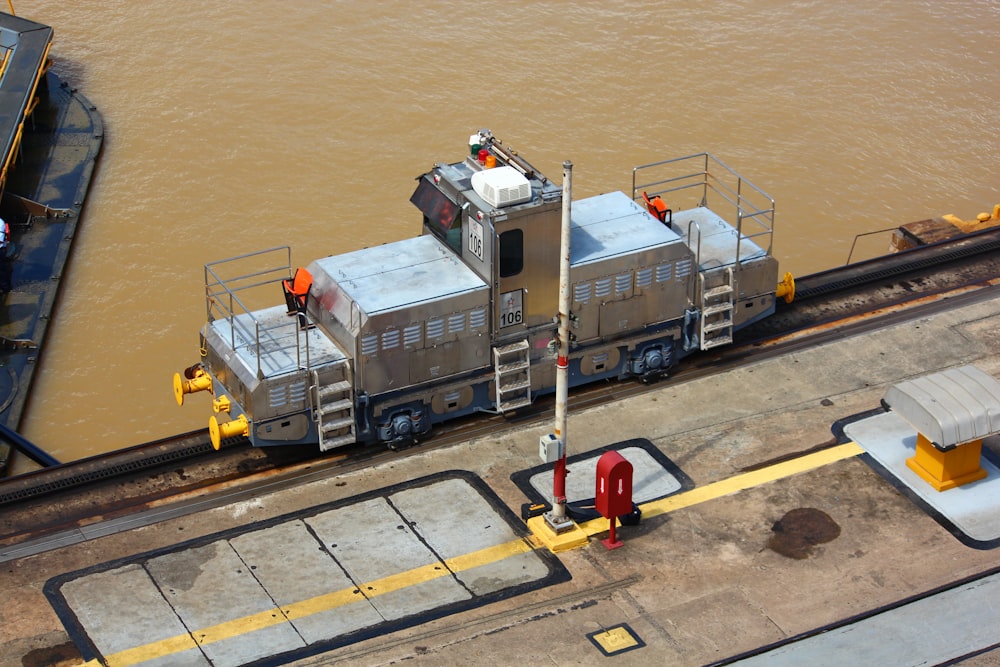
(24, 56)
(52, 139)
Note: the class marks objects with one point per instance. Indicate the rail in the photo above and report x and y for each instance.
(238, 286)
(712, 183)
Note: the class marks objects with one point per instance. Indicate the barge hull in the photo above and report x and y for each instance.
(43, 196)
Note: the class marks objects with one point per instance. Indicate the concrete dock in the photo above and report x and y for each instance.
(760, 528)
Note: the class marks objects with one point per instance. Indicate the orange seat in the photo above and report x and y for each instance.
(297, 291)
(658, 208)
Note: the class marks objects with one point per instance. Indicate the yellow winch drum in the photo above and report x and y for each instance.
(217, 431)
(197, 380)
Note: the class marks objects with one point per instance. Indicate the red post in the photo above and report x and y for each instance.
(559, 482)
(611, 542)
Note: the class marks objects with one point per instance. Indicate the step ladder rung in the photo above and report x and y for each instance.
(717, 326)
(511, 348)
(335, 406)
(716, 342)
(714, 292)
(716, 308)
(330, 443)
(338, 424)
(335, 388)
(512, 367)
(514, 386)
(513, 404)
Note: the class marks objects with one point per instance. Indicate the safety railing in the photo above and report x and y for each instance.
(866, 242)
(704, 180)
(237, 287)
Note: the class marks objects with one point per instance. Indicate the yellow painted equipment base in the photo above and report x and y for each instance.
(616, 640)
(571, 538)
(950, 469)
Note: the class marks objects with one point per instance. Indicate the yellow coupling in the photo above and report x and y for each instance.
(221, 404)
(786, 288)
(217, 431)
(195, 379)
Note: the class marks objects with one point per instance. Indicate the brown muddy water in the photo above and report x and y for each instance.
(232, 127)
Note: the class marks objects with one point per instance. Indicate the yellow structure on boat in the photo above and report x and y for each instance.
(932, 230)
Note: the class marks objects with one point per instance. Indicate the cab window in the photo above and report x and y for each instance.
(511, 253)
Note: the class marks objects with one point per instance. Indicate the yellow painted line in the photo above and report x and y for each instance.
(738, 483)
(488, 555)
(315, 605)
(320, 603)
(492, 554)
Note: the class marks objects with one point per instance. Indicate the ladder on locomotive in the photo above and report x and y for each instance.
(512, 368)
(333, 411)
(716, 306)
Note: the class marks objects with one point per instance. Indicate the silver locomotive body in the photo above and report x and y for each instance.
(382, 343)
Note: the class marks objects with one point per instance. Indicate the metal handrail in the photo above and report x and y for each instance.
(738, 192)
(223, 301)
(858, 236)
(697, 258)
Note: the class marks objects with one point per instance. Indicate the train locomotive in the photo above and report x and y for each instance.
(379, 345)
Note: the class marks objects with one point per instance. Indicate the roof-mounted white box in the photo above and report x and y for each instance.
(501, 186)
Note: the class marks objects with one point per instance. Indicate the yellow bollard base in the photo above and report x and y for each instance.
(572, 538)
(949, 469)
(943, 484)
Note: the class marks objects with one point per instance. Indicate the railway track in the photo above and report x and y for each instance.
(70, 497)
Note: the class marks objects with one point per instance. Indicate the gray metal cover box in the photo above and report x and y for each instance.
(949, 408)
(611, 225)
(408, 311)
(618, 252)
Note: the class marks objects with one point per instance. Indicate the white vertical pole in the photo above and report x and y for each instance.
(562, 361)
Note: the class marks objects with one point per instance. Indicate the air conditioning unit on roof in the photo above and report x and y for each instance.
(501, 186)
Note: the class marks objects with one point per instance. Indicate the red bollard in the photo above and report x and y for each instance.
(613, 495)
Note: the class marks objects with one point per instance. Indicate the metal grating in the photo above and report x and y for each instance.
(23, 488)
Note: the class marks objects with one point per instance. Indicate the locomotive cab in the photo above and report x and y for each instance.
(503, 222)
(502, 218)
